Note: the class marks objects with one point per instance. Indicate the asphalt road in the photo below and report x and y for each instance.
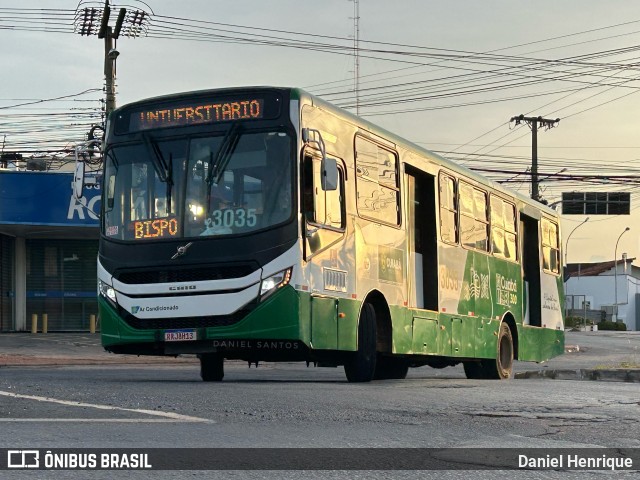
(288, 405)
(285, 405)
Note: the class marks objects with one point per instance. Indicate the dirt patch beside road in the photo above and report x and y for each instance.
(15, 360)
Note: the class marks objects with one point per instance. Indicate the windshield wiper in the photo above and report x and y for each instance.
(163, 169)
(158, 160)
(114, 160)
(218, 164)
(169, 183)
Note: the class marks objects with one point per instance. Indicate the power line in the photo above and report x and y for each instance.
(584, 68)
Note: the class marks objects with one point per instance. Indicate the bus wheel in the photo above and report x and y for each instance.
(502, 367)
(391, 369)
(474, 370)
(211, 367)
(362, 364)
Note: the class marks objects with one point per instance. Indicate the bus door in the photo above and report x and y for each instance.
(530, 228)
(423, 260)
(325, 252)
(423, 249)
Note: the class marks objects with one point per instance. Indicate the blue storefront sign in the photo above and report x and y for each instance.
(46, 198)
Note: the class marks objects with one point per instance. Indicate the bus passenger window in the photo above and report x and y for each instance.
(307, 190)
(503, 229)
(448, 210)
(377, 190)
(481, 222)
(324, 211)
(320, 206)
(473, 218)
(550, 247)
(511, 232)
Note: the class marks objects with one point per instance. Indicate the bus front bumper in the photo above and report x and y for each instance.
(273, 328)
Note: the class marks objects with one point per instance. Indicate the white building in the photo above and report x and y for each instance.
(602, 287)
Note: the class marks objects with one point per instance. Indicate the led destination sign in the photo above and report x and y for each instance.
(155, 228)
(196, 113)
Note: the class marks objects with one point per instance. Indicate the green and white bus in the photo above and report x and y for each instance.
(265, 224)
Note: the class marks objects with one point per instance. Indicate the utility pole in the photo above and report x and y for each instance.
(356, 53)
(110, 54)
(534, 123)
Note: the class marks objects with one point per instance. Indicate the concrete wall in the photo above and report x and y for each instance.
(600, 291)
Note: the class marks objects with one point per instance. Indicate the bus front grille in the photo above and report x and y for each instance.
(184, 274)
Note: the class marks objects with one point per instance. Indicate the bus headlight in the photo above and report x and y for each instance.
(107, 291)
(274, 282)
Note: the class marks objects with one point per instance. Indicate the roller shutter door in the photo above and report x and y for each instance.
(61, 282)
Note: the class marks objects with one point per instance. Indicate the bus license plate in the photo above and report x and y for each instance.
(179, 335)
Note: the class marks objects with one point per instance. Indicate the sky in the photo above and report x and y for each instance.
(446, 75)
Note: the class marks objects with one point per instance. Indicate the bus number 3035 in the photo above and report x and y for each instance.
(229, 217)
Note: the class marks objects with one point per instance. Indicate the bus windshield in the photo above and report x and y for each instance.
(225, 184)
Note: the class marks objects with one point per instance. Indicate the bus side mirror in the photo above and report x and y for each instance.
(111, 191)
(78, 180)
(329, 174)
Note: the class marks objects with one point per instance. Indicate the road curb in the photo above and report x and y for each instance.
(602, 375)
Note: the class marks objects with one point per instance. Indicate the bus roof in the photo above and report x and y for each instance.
(302, 95)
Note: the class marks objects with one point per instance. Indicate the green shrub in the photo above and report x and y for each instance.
(572, 322)
(576, 322)
(608, 325)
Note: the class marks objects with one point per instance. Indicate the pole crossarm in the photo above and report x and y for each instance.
(535, 123)
(92, 18)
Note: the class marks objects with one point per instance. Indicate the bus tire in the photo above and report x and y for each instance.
(389, 368)
(502, 367)
(474, 370)
(211, 367)
(361, 365)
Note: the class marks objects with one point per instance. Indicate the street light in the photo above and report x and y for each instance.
(566, 262)
(615, 275)
(566, 245)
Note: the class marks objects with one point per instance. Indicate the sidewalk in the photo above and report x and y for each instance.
(604, 356)
(26, 349)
